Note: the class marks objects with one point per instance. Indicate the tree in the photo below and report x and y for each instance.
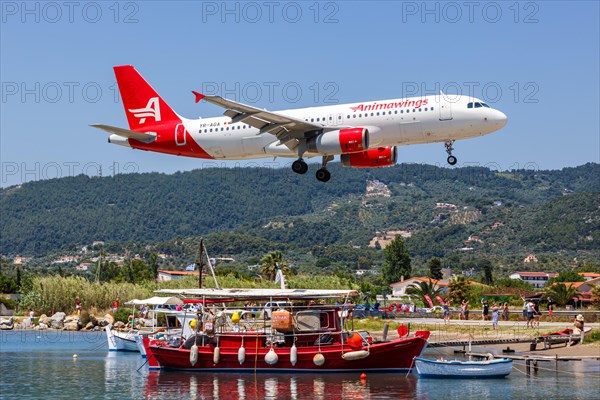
(419, 290)
(459, 289)
(513, 283)
(486, 265)
(268, 265)
(566, 276)
(435, 268)
(396, 261)
(561, 293)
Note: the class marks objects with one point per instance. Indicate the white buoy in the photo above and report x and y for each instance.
(242, 354)
(355, 355)
(294, 355)
(271, 357)
(194, 355)
(75, 356)
(319, 359)
(217, 355)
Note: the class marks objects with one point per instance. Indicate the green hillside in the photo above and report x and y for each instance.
(247, 211)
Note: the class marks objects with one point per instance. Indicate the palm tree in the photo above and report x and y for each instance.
(268, 265)
(419, 290)
(561, 293)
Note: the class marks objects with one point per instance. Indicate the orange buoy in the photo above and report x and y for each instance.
(363, 376)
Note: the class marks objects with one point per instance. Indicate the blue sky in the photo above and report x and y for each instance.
(536, 61)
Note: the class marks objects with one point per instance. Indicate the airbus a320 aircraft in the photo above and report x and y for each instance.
(364, 135)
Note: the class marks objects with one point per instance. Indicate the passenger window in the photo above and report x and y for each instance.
(354, 116)
(372, 114)
(347, 116)
(211, 129)
(419, 110)
(395, 111)
(470, 105)
(312, 120)
(431, 108)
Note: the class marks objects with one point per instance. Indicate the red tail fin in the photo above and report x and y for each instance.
(143, 106)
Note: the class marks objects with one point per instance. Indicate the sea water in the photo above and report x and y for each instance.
(40, 364)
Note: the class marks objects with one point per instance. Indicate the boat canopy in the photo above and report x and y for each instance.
(157, 301)
(238, 294)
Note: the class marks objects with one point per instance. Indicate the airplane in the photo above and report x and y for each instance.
(364, 135)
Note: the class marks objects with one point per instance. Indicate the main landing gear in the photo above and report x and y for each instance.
(300, 167)
(323, 174)
(451, 159)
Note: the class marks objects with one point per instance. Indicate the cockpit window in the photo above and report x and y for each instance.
(477, 105)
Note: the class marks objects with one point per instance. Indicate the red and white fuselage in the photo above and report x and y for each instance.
(364, 133)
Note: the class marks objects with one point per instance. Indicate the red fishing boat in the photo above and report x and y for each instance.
(302, 336)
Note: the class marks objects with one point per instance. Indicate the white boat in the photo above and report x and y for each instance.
(132, 339)
(121, 341)
(496, 368)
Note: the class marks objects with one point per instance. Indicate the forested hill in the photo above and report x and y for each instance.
(42, 217)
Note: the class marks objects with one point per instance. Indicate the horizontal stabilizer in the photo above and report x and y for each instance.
(147, 137)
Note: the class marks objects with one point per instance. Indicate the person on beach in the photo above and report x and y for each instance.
(578, 326)
(485, 310)
(31, 315)
(550, 308)
(524, 309)
(78, 306)
(495, 316)
(446, 308)
(505, 311)
(462, 314)
(537, 314)
(530, 314)
(116, 305)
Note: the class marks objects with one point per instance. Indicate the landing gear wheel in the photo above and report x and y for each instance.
(451, 160)
(323, 175)
(299, 167)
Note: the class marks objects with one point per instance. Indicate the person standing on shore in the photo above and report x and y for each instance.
(446, 308)
(78, 306)
(485, 310)
(530, 314)
(31, 315)
(505, 311)
(495, 316)
(524, 309)
(550, 308)
(116, 305)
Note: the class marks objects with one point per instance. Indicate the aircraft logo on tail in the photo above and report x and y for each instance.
(152, 109)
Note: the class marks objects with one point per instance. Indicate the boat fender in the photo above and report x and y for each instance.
(319, 359)
(271, 357)
(355, 355)
(194, 355)
(217, 355)
(242, 354)
(294, 355)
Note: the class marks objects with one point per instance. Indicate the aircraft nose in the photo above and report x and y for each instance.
(500, 118)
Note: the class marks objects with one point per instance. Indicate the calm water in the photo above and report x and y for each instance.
(37, 365)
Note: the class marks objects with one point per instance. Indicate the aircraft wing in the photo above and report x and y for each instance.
(126, 133)
(288, 130)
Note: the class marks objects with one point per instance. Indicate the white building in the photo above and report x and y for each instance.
(537, 279)
(399, 288)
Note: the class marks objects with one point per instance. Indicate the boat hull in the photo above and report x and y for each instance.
(390, 356)
(463, 369)
(121, 341)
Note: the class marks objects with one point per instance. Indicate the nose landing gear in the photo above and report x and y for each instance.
(451, 159)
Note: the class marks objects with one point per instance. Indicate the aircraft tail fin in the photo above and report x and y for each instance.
(145, 109)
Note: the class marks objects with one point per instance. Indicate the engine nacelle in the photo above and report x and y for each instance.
(343, 141)
(374, 158)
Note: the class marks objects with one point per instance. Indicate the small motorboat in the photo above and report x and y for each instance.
(566, 337)
(491, 368)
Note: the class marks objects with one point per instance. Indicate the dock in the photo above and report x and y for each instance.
(531, 360)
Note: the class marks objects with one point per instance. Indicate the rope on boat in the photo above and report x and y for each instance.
(141, 366)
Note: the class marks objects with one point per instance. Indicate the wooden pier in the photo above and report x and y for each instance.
(465, 343)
